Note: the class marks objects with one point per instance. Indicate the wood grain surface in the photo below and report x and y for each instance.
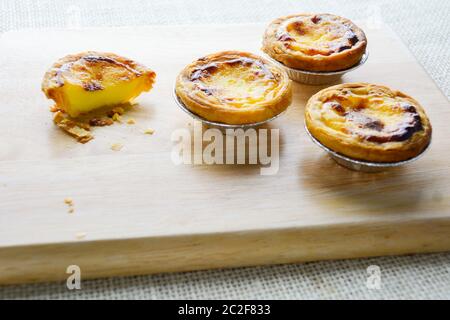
(136, 212)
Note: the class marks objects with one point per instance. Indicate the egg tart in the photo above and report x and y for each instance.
(83, 82)
(315, 42)
(368, 122)
(234, 87)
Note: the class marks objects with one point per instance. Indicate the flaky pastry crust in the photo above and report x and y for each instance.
(234, 87)
(368, 122)
(315, 42)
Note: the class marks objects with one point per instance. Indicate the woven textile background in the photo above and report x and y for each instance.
(424, 26)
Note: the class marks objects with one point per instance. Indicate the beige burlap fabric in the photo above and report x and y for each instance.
(424, 25)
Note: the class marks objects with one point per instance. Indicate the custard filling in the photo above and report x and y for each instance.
(236, 82)
(376, 118)
(317, 35)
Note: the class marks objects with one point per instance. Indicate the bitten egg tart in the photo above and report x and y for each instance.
(368, 122)
(83, 82)
(234, 87)
(315, 42)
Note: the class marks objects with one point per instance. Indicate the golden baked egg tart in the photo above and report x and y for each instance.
(83, 82)
(315, 42)
(368, 122)
(234, 87)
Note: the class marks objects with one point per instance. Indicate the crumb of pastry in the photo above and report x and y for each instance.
(116, 146)
(149, 131)
(78, 130)
(68, 201)
(117, 117)
(119, 110)
(131, 121)
(80, 235)
(100, 122)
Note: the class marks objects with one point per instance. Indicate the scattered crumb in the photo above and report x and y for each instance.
(80, 131)
(96, 122)
(131, 121)
(113, 111)
(116, 146)
(149, 131)
(118, 110)
(117, 117)
(80, 235)
(69, 202)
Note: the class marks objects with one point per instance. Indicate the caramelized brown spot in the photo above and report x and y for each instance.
(203, 71)
(337, 107)
(409, 108)
(411, 124)
(403, 133)
(244, 61)
(374, 125)
(316, 19)
(343, 47)
(351, 37)
(297, 26)
(92, 86)
(285, 37)
(92, 58)
(350, 40)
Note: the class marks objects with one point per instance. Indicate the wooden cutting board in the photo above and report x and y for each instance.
(136, 212)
